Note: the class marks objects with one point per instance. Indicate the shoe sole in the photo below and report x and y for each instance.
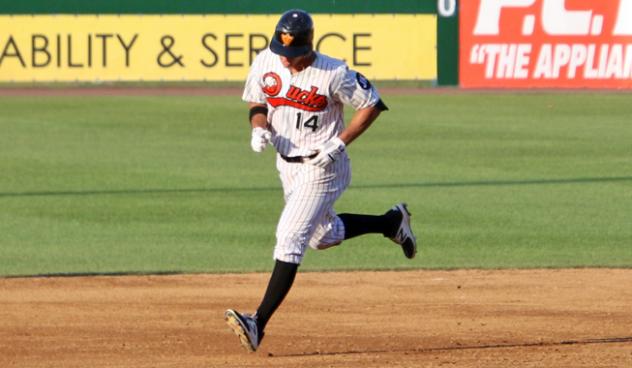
(238, 328)
(403, 207)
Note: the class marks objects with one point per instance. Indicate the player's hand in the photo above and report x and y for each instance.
(328, 152)
(260, 139)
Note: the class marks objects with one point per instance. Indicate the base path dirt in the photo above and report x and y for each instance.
(470, 318)
(114, 89)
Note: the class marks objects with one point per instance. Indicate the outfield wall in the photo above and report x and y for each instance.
(473, 43)
(199, 40)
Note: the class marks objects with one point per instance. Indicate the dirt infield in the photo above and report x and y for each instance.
(194, 90)
(108, 90)
(525, 318)
(113, 90)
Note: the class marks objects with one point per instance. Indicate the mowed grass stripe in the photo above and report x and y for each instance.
(169, 184)
(356, 187)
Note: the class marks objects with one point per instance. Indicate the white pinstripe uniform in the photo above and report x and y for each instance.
(305, 110)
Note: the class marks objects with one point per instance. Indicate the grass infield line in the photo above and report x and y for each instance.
(361, 186)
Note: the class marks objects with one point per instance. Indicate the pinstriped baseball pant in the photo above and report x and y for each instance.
(308, 218)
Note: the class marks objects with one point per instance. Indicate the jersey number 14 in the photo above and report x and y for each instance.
(312, 122)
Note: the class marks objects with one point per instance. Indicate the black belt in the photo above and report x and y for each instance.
(298, 159)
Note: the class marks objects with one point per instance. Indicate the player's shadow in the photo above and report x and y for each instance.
(448, 184)
(421, 350)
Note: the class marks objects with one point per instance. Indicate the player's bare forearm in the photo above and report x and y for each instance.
(360, 122)
(258, 120)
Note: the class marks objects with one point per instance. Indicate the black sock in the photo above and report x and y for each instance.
(366, 224)
(278, 286)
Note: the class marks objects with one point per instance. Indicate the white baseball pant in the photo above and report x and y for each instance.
(308, 218)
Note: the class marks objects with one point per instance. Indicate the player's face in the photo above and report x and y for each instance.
(289, 62)
(297, 63)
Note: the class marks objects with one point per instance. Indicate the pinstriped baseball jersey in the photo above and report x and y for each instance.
(306, 109)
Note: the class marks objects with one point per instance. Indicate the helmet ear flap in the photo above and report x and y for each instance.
(310, 37)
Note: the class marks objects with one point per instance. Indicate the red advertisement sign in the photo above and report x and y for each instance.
(546, 43)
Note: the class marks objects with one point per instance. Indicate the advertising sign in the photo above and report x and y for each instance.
(203, 47)
(546, 43)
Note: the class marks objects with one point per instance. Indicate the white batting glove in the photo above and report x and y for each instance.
(260, 139)
(328, 152)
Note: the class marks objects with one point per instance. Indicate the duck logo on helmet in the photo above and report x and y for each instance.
(286, 39)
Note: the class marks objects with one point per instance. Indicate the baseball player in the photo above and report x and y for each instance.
(296, 97)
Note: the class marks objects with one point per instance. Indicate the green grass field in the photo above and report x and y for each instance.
(169, 184)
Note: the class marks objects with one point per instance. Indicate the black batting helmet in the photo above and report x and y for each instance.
(293, 34)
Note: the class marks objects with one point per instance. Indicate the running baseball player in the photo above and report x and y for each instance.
(296, 97)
